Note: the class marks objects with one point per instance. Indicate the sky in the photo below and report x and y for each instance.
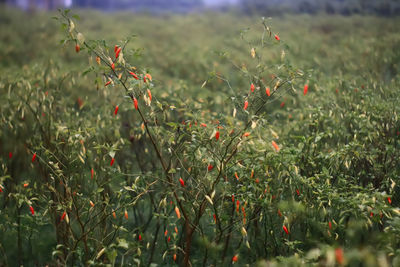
(219, 2)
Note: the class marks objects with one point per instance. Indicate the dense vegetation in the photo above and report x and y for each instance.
(212, 168)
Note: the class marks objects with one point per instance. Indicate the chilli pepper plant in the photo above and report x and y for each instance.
(179, 143)
(256, 162)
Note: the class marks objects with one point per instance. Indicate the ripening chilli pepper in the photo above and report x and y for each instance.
(178, 213)
(148, 76)
(113, 66)
(268, 91)
(174, 257)
(252, 87)
(217, 135)
(117, 52)
(32, 210)
(305, 89)
(135, 102)
(149, 93)
(126, 215)
(246, 104)
(182, 182)
(275, 145)
(339, 255)
(114, 215)
(285, 229)
(63, 216)
(235, 258)
(91, 203)
(25, 184)
(134, 75)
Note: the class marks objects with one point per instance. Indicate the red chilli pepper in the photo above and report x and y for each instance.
(217, 135)
(339, 255)
(235, 258)
(63, 216)
(182, 182)
(10, 154)
(277, 37)
(330, 225)
(215, 218)
(279, 213)
(32, 210)
(203, 125)
(305, 89)
(252, 87)
(134, 75)
(116, 110)
(140, 237)
(298, 192)
(246, 104)
(112, 161)
(233, 198)
(107, 83)
(389, 200)
(77, 48)
(285, 229)
(268, 91)
(113, 66)
(34, 157)
(210, 167)
(91, 173)
(117, 52)
(135, 102)
(282, 104)
(115, 48)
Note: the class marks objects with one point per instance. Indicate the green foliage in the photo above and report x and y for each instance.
(292, 179)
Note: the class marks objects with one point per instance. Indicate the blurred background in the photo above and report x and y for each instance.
(346, 7)
(348, 50)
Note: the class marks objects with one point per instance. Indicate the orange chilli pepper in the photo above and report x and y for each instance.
(267, 91)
